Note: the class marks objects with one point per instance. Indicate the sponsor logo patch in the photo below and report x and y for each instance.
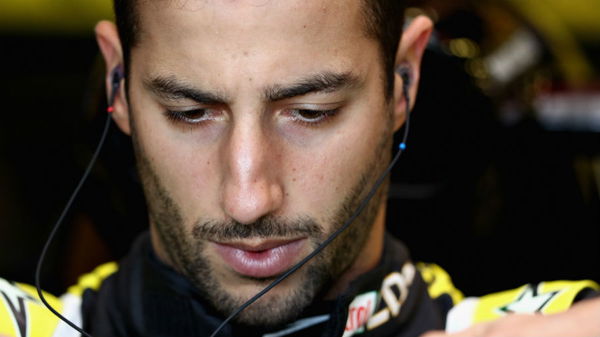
(359, 312)
(388, 301)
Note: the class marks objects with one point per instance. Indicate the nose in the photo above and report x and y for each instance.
(251, 187)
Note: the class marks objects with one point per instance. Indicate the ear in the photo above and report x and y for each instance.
(108, 40)
(410, 52)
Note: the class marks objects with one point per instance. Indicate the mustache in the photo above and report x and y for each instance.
(265, 227)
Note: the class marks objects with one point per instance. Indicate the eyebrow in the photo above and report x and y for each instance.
(322, 82)
(171, 88)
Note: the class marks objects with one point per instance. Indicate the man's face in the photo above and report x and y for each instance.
(259, 126)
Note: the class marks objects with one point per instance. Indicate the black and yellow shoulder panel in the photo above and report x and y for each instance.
(22, 313)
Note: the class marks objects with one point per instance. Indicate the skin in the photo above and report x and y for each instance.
(253, 158)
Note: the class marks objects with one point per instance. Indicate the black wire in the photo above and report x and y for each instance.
(335, 234)
(59, 222)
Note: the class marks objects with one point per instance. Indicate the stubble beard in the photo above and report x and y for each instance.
(185, 248)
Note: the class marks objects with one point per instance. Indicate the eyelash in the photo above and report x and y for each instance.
(183, 116)
(324, 116)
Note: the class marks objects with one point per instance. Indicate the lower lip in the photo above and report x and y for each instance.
(261, 264)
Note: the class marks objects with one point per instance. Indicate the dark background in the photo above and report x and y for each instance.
(497, 202)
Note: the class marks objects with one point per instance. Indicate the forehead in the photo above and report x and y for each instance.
(208, 32)
(257, 16)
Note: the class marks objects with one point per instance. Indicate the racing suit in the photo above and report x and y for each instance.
(143, 297)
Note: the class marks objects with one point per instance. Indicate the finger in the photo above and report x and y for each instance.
(435, 333)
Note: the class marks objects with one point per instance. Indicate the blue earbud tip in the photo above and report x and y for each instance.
(402, 146)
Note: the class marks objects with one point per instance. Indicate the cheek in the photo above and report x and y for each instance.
(327, 174)
(182, 168)
(323, 178)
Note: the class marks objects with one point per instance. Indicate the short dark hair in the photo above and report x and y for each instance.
(383, 20)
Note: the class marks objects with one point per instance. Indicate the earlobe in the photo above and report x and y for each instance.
(110, 47)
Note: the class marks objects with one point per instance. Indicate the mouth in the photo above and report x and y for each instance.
(261, 259)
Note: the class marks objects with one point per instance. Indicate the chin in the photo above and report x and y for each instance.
(282, 305)
(273, 311)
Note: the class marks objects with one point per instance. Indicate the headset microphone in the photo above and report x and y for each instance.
(405, 73)
(116, 78)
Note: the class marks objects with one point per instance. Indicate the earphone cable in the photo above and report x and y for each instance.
(335, 234)
(60, 220)
(280, 279)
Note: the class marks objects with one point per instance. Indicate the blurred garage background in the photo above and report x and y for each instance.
(500, 185)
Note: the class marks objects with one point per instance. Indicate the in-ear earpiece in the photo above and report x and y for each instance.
(405, 72)
(117, 75)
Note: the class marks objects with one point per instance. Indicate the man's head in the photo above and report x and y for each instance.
(258, 127)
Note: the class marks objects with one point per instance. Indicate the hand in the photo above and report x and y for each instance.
(582, 320)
